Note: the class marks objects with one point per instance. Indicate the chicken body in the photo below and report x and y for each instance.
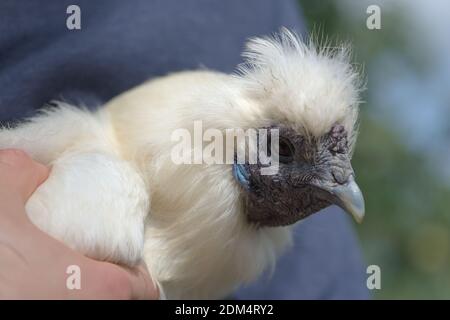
(112, 181)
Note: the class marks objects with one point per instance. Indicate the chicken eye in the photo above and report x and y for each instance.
(285, 150)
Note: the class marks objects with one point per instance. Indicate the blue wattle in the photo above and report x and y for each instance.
(241, 175)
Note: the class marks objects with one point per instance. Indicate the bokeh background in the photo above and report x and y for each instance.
(402, 161)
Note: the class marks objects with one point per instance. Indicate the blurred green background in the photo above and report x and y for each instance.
(403, 153)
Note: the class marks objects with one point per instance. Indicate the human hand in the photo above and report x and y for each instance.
(33, 265)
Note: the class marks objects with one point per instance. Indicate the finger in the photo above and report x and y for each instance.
(105, 280)
(20, 172)
(142, 286)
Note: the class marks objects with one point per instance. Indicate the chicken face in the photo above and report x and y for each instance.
(313, 174)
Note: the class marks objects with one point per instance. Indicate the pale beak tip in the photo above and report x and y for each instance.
(352, 200)
(359, 216)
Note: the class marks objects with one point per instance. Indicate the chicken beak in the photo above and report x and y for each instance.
(349, 197)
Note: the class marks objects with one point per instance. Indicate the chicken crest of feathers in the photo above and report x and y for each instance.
(308, 85)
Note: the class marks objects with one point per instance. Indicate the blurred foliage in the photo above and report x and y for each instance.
(406, 230)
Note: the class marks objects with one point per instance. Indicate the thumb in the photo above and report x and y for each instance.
(20, 174)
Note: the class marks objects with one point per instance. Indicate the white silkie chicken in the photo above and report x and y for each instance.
(115, 193)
